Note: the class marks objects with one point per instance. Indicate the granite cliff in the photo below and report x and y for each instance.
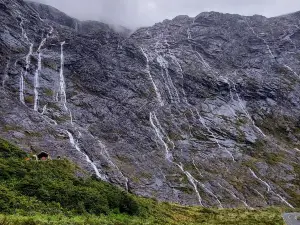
(198, 111)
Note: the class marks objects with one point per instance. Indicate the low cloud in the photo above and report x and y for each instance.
(137, 13)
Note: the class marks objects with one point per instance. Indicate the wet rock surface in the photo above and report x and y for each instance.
(199, 111)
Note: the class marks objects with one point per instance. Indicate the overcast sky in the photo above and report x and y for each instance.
(136, 13)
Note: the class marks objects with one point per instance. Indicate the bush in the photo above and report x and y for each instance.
(8, 150)
(29, 99)
(54, 183)
(48, 192)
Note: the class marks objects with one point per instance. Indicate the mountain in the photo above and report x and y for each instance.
(51, 192)
(197, 111)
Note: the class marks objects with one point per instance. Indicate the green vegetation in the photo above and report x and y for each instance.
(161, 214)
(9, 128)
(48, 92)
(29, 99)
(259, 153)
(49, 192)
(51, 187)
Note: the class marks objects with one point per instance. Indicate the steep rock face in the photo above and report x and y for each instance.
(199, 111)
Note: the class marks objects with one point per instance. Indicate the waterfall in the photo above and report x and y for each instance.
(174, 96)
(22, 88)
(24, 34)
(244, 109)
(37, 73)
(174, 58)
(194, 164)
(108, 158)
(263, 182)
(158, 95)
(189, 34)
(28, 60)
(213, 135)
(234, 196)
(192, 180)
(24, 74)
(88, 160)
(62, 83)
(270, 51)
(36, 93)
(5, 76)
(290, 69)
(158, 132)
(265, 42)
(260, 194)
(161, 135)
(269, 188)
(204, 63)
(44, 109)
(71, 117)
(50, 32)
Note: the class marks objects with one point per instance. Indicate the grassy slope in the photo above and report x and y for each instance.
(50, 193)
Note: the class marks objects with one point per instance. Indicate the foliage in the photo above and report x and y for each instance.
(161, 214)
(48, 92)
(7, 150)
(29, 99)
(52, 185)
(48, 192)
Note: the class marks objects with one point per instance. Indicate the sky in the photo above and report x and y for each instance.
(137, 13)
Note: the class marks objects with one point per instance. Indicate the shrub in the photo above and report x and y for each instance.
(54, 183)
(29, 99)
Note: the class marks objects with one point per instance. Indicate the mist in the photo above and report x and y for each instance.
(137, 13)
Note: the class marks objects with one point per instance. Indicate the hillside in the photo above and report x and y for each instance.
(197, 111)
(51, 192)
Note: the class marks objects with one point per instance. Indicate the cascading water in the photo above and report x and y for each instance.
(71, 117)
(270, 51)
(204, 63)
(174, 58)
(269, 189)
(290, 69)
(194, 164)
(158, 95)
(36, 94)
(211, 194)
(22, 99)
(170, 85)
(44, 109)
(235, 196)
(189, 34)
(260, 194)
(213, 135)
(162, 136)
(24, 34)
(168, 155)
(62, 83)
(192, 180)
(37, 73)
(24, 74)
(243, 107)
(28, 56)
(108, 158)
(5, 76)
(265, 42)
(88, 160)
(153, 121)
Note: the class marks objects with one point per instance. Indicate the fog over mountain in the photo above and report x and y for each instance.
(197, 111)
(136, 13)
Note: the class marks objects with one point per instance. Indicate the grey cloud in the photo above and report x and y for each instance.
(136, 13)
